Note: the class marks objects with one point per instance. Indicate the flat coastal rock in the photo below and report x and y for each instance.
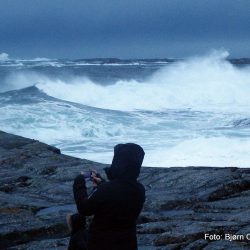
(183, 204)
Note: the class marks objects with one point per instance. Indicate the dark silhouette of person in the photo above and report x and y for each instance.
(115, 204)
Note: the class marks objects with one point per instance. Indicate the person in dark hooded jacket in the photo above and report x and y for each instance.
(115, 204)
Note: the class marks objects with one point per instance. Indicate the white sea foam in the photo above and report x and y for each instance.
(54, 122)
(12, 64)
(217, 151)
(38, 59)
(91, 134)
(220, 152)
(22, 80)
(201, 83)
(177, 137)
(4, 57)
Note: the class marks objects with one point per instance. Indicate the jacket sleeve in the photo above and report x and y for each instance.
(85, 205)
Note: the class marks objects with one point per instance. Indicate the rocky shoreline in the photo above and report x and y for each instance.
(183, 204)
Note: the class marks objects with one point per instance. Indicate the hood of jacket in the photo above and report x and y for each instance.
(126, 163)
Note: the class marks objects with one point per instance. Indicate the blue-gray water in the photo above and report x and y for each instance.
(193, 112)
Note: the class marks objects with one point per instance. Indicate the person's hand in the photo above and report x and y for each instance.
(96, 178)
(96, 181)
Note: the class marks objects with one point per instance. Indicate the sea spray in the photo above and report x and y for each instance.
(191, 112)
(200, 83)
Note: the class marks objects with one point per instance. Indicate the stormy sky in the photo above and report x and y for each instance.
(123, 28)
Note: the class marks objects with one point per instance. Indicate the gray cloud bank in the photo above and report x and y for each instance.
(126, 29)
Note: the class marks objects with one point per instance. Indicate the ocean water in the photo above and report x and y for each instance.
(193, 112)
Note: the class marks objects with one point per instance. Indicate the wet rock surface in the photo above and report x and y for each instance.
(182, 203)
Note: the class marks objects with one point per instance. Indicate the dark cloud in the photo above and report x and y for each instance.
(117, 28)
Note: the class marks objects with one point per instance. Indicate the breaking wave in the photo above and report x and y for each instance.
(192, 112)
(209, 82)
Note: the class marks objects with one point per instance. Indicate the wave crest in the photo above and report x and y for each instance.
(200, 83)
